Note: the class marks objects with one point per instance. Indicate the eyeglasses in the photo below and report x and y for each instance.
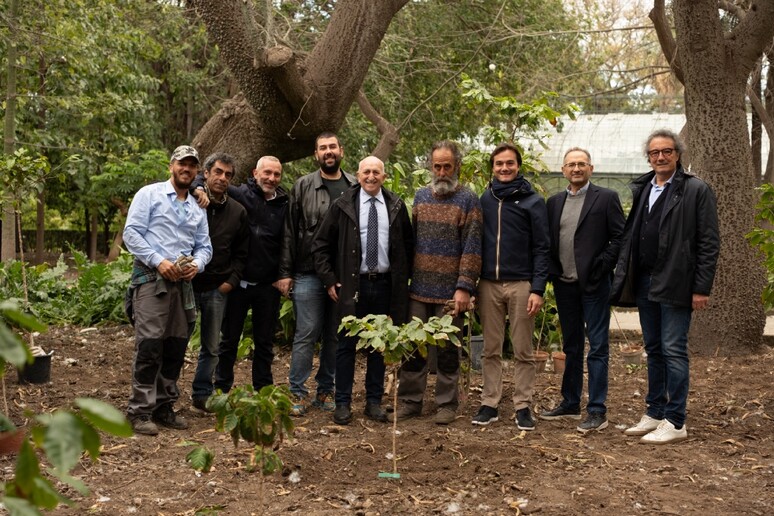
(579, 164)
(656, 152)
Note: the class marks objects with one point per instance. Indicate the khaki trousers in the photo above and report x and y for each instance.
(498, 299)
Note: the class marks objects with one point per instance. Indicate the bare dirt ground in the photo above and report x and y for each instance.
(725, 467)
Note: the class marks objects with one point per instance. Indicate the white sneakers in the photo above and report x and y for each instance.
(665, 433)
(657, 431)
(646, 425)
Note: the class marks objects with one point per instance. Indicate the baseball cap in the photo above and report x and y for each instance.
(182, 152)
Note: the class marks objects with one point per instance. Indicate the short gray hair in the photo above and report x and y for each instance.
(450, 146)
(577, 149)
(260, 164)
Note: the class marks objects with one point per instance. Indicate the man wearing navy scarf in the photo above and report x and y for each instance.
(515, 258)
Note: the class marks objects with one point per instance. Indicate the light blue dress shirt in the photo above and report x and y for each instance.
(655, 191)
(384, 231)
(160, 227)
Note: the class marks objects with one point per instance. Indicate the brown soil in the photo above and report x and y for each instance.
(726, 466)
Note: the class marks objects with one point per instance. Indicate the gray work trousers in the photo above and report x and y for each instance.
(161, 337)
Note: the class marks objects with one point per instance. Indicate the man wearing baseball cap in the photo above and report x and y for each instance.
(169, 237)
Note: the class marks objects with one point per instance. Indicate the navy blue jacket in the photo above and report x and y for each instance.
(516, 245)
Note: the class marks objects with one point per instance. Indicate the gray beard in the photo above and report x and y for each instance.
(444, 186)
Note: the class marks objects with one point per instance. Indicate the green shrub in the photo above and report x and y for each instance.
(763, 237)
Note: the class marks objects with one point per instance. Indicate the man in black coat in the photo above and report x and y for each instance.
(267, 204)
(362, 252)
(228, 228)
(666, 267)
(586, 224)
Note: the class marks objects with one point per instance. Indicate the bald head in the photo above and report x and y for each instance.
(370, 175)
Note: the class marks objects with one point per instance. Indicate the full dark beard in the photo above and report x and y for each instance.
(330, 169)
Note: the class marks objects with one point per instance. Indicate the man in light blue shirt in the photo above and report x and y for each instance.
(168, 235)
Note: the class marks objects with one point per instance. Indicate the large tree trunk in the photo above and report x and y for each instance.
(286, 99)
(715, 69)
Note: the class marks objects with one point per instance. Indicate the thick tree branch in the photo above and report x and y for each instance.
(732, 9)
(665, 38)
(338, 63)
(281, 61)
(389, 134)
(755, 31)
(230, 23)
(760, 109)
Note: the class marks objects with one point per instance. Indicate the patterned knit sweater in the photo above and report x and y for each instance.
(448, 244)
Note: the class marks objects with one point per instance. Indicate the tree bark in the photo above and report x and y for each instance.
(8, 235)
(40, 228)
(286, 99)
(715, 67)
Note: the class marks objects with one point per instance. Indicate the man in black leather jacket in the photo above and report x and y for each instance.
(310, 199)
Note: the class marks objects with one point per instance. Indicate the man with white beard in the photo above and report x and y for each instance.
(447, 262)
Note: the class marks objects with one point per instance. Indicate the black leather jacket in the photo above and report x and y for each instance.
(308, 204)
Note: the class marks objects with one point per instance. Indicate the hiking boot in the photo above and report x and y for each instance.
(375, 412)
(324, 401)
(444, 416)
(143, 425)
(646, 425)
(524, 420)
(593, 422)
(342, 415)
(560, 412)
(485, 416)
(665, 433)
(299, 406)
(199, 406)
(405, 411)
(165, 416)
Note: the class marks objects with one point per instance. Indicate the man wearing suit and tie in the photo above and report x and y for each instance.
(586, 224)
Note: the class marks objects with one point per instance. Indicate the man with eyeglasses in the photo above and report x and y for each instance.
(586, 223)
(514, 272)
(666, 268)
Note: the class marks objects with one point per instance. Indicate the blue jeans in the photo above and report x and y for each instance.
(665, 334)
(374, 299)
(315, 319)
(581, 314)
(212, 305)
(264, 300)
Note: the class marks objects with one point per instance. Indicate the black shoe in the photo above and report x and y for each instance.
(596, 422)
(342, 415)
(560, 412)
(485, 416)
(199, 405)
(524, 420)
(375, 412)
(165, 416)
